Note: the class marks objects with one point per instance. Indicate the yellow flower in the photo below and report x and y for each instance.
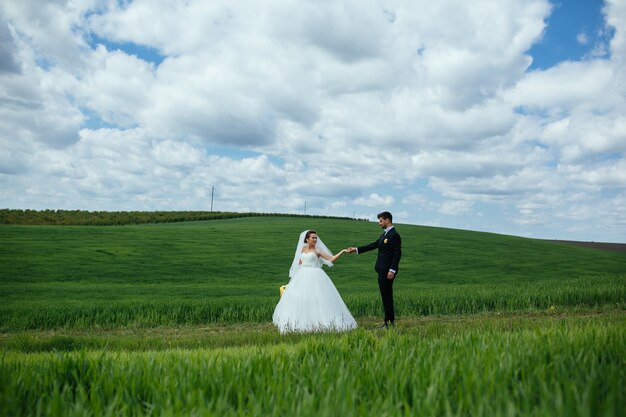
(282, 289)
(386, 240)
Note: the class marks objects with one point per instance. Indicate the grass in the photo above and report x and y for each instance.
(229, 271)
(479, 366)
(174, 319)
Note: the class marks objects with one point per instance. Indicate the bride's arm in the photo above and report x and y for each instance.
(332, 258)
(300, 260)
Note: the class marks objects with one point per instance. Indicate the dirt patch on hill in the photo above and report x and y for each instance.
(613, 247)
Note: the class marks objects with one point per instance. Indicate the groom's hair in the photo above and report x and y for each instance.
(385, 215)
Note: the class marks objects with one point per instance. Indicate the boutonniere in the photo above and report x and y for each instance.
(386, 240)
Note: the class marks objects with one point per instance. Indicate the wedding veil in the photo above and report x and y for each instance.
(301, 243)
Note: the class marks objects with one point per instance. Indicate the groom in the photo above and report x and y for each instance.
(389, 246)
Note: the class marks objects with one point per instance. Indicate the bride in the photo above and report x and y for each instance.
(311, 301)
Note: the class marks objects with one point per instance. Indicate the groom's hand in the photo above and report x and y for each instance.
(391, 275)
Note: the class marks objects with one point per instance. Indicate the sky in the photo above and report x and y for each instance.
(503, 116)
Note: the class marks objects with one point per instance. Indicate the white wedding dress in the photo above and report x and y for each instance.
(311, 302)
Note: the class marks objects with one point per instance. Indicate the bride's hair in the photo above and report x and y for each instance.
(309, 233)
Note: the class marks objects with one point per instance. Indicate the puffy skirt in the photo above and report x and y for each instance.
(311, 303)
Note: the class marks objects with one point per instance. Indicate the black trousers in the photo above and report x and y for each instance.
(386, 293)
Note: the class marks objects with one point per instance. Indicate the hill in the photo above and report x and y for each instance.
(615, 247)
(229, 270)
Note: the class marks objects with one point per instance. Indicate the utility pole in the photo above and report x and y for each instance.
(212, 190)
(305, 207)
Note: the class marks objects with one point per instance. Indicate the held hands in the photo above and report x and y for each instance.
(390, 275)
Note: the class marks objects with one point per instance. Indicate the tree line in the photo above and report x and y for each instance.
(113, 218)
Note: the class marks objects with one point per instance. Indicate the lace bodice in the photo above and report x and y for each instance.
(310, 259)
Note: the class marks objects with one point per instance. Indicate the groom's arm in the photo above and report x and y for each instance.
(396, 250)
(367, 248)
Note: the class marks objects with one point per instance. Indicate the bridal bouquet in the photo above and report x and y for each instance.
(282, 289)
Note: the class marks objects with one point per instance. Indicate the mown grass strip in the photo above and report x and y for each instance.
(216, 336)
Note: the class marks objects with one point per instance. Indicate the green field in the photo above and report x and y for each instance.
(174, 319)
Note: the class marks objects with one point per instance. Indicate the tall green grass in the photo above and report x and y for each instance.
(229, 271)
(570, 367)
(447, 300)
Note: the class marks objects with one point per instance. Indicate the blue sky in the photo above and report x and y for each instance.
(146, 53)
(503, 116)
(574, 29)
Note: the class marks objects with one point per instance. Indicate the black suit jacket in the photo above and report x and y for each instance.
(389, 251)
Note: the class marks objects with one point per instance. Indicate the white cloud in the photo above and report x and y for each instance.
(51, 28)
(420, 201)
(36, 107)
(177, 154)
(375, 200)
(420, 108)
(565, 87)
(606, 174)
(456, 207)
(615, 12)
(116, 86)
(8, 50)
